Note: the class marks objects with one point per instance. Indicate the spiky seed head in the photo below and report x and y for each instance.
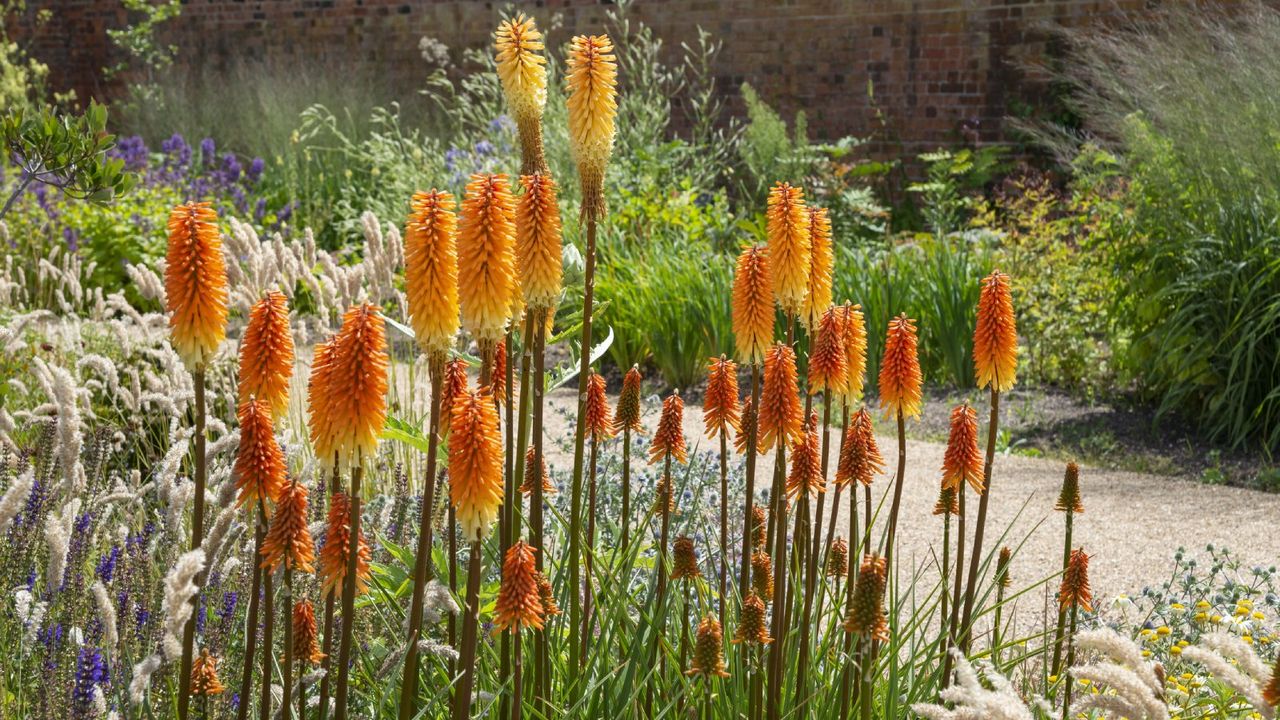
(306, 645)
(431, 271)
(536, 472)
(685, 563)
(358, 385)
(762, 574)
(1069, 498)
(539, 242)
(821, 268)
(787, 226)
(855, 350)
(1075, 590)
(669, 439)
(900, 379)
(488, 289)
(751, 622)
(1002, 567)
(337, 543)
(780, 414)
(962, 461)
(266, 353)
(866, 613)
(721, 408)
(599, 424)
(523, 72)
(995, 339)
(860, 458)
(288, 541)
(829, 364)
(204, 675)
(195, 283)
(259, 467)
(805, 477)
(838, 559)
(627, 414)
(753, 313)
(948, 502)
(592, 76)
(708, 650)
(475, 464)
(519, 605)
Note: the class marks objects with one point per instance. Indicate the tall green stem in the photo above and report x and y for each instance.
(744, 579)
(1062, 613)
(330, 600)
(575, 516)
(470, 626)
(197, 536)
(349, 596)
(268, 630)
(897, 494)
(251, 625)
(975, 557)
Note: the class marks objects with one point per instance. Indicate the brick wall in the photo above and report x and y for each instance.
(940, 69)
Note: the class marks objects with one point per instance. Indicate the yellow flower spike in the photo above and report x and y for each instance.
(431, 271)
(821, 267)
(995, 339)
(592, 75)
(195, 283)
(753, 313)
(266, 353)
(787, 226)
(963, 460)
(358, 385)
(900, 379)
(855, 349)
(475, 463)
(538, 242)
(523, 73)
(829, 363)
(487, 283)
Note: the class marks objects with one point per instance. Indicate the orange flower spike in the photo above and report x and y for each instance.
(599, 424)
(708, 650)
(204, 675)
(523, 73)
(547, 596)
(358, 386)
(539, 242)
(475, 464)
(821, 267)
(627, 414)
(753, 312)
(721, 408)
(453, 387)
(669, 440)
(759, 529)
(534, 474)
(866, 615)
(259, 468)
(431, 270)
(319, 403)
(306, 646)
(860, 458)
(519, 605)
(591, 74)
(751, 623)
(838, 560)
(1069, 497)
(1271, 693)
(747, 420)
(195, 284)
(487, 283)
(828, 365)
(787, 227)
(948, 502)
(806, 463)
(855, 350)
(499, 374)
(963, 460)
(995, 339)
(337, 540)
(1075, 590)
(266, 353)
(684, 565)
(288, 540)
(900, 379)
(762, 574)
(780, 414)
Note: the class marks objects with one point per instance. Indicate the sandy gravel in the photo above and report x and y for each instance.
(1132, 523)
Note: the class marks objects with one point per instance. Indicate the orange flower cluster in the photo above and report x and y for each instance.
(721, 409)
(266, 353)
(866, 614)
(337, 542)
(669, 440)
(855, 351)
(780, 415)
(708, 650)
(751, 623)
(592, 79)
(538, 242)
(546, 596)
(487, 285)
(746, 425)
(195, 283)
(684, 566)
(1069, 499)
(753, 312)
(759, 529)
(498, 378)
(838, 560)
(962, 461)
(599, 424)
(762, 574)
(787, 227)
(536, 474)
(519, 605)
(306, 646)
(319, 422)
(1075, 590)
(900, 379)
(860, 458)
(288, 541)
(204, 675)
(452, 387)
(948, 502)
(627, 415)
(1002, 567)
(821, 267)
(664, 498)
(805, 477)
(431, 271)
(259, 468)
(475, 464)
(829, 363)
(995, 339)
(356, 398)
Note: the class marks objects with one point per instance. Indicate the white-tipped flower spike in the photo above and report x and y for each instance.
(593, 108)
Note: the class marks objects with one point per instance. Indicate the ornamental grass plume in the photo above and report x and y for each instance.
(1135, 686)
(805, 477)
(838, 559)
(1235, 664)
(431, 271)
(288, 540)
(995, 339)
(821, 267)
(962, 461)
(536, 474)
(708, 650)
(475, 464)
(684, 566)
(627, 414)
(866, 612)
(751, 622)
(519, 604)
(787, 227)
(195, 283)
(599, 424)
(358, 385)
(1075, 592)
(266, 353)
(860, 458)
(855, 352)
(259, 466)
(829, 363)
(523, 73)
(989, 697)
(538, 242)
(204, 675)
(592, 79)
(337, 540)
(668, 441)
(780, 417)
(900, 379)
(753, 312)
(487, 283)
(762, 574)
(721, 408)
(306, 645)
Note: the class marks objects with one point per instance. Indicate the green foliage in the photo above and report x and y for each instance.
(769, 152)
(952, 177)
(22, 77)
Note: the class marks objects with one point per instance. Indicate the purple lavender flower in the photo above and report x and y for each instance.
(207, 149)
(107, 565)
(132, 150)
(254, 173)
(71, 237)
(91, 671)
(484, 148)
(177, 149)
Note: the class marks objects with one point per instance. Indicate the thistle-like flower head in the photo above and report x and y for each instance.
(627, 415)
(475, 464)
(829, 363)
(288, 540)
(787, 225)
(860, 458)
(821, 268)
(753, 312)
(669, 439)
(523, 73)
(751, 623)
(266, 353)
(780, 414)
(708, 650)
(805, 477)
(358, 384)
(721, 408)
(900, 379)
(259, 468)
(1069, 498)
(593, 108)
(337, 543)
(487, 285)
(855, 352)
(866, 614)
(519, 605)
(599, 424)
(195, 283)
(962, 461)
(306, 646)
(995, 339)
(1075, 590)
(431, 271)
(684, 565)
(539, 242)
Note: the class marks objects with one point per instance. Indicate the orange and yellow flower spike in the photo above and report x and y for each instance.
(708, 650)
(320, 414)
(337, 540)
(829, 363)
(780, 414)
(860, 458)
(866, 615)
(519, 605)
(259, 468)
(627, 414)
(431, 271)
(306, 646)
(721, 407)
(753, 312)
(195, 283)
(523, 73)
(592, 76)
(821, 268)
(669, 439)
(995, 339)
(487, 283)
(599, 424)
(900, 379)
(288, 540)
(1075, 590)
(266, 353)
(475, 463)
(805, 477)
(358, 384)
(855, 352)
(962, 461)
(787, 225)
(539, 242)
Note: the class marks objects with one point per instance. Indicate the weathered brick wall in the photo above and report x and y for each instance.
(940, 69)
